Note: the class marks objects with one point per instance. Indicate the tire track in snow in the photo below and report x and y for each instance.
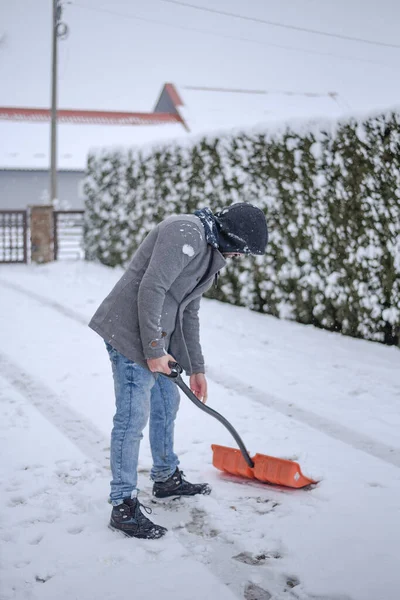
(67, 312)
(356, 440)
(321, 424)
(82, 432)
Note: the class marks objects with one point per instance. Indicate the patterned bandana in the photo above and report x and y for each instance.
(211, 232)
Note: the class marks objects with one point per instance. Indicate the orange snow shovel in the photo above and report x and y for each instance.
(277, 471)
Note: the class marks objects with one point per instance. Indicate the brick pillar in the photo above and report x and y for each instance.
(42, 233)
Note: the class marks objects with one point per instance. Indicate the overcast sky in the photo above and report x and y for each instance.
(120, 52)
(116, 59)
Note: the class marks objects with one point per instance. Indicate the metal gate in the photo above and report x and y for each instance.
(68, 234)
(13, 236)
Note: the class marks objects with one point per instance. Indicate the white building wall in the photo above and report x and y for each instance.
(19, 189)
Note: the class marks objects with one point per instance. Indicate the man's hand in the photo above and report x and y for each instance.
(160, 365)
(198, 385)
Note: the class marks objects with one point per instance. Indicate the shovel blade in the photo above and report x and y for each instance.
(231, 461)
(269, 469)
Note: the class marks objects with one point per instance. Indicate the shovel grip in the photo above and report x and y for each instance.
(175, 375)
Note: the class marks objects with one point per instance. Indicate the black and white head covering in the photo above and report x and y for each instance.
(240, 228)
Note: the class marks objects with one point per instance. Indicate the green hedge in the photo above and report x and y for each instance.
(332, 201)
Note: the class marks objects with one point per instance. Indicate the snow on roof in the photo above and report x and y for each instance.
(26, 145)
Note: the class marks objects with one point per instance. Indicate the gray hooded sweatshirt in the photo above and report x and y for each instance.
(153, 308)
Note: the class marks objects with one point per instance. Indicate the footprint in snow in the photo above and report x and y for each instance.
(71, 476)
(31, 467)
(264, 505)
(9, 536)
(17, 501)
(255, 592)
(258, 504)
(112, 561)
(21, 564)
(358, 392)
(291, 582)
(198, 525)
(43, 578)
(50, 517)
(14, 485)
(36, 540)
(75, 530)
(256, 559)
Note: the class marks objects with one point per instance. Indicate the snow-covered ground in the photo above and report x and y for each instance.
(293, 391)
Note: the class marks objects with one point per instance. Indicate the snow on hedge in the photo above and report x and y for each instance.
(331, 195)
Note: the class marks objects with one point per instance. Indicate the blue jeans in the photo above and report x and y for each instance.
(139, 394)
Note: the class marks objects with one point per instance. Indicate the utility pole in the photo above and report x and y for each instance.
(59, 30)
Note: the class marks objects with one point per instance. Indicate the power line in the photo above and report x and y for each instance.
(283, 25)
(229, 37)
(198, 88)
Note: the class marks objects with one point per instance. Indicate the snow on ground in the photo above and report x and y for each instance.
(329, 401)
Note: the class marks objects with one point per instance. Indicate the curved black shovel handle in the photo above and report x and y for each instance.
(175, 375)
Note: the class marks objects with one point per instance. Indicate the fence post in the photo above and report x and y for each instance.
(42, 233)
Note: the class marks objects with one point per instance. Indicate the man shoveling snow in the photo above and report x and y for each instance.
(149, 319)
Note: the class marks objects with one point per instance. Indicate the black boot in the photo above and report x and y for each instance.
(129, 519)
(177, 486)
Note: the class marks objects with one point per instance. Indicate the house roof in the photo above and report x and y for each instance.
(166, 111)
(26, 145)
